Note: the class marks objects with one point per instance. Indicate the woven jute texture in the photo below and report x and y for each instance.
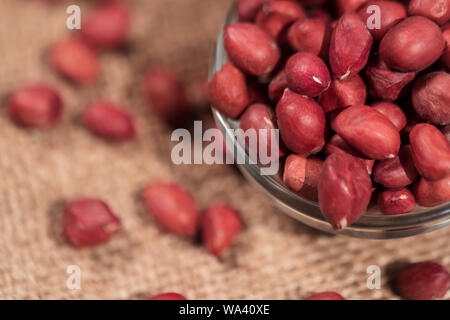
(274, 258)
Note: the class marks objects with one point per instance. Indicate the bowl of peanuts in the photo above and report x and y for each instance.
(361, 153)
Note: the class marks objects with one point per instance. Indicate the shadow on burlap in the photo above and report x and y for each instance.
(275, 258)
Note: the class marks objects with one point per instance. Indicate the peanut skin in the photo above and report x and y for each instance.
(248, 9)
(384, 83)
(220, 226)
(412, 45)
(432, 193)
(343, 93)
(422, 281)
(107, 26)
(301, 174)
(172, 207)
(431, 97)
(350, 46)
(75, 60)
(251, 49)
(397, 172)
(274, 16)
(109, 121)
(166, 94)
(337, 145)
(436, 10)
(307, 74)
(446, 131)
(391, 13)
(446, 56)
(89, 222)
(346, 6)
(369, 132)
(310, 35)
(227, 91)
(301, 122)
(431, 151)
(35, 106)
(277, 86)
(396, 201)
(345, 190)
(168, 296)
(261, 117)
(393, 112)
(326, 296)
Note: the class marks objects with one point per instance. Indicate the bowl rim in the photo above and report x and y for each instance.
(308, 212)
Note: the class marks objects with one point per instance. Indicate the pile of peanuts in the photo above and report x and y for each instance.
(280, 55)
(363, 109)
(88, 221)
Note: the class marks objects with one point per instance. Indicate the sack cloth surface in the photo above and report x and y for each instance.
(274, 258)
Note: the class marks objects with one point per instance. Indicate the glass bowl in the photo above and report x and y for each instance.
(372, 225)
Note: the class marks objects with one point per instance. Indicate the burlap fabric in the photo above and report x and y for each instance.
(275, 258)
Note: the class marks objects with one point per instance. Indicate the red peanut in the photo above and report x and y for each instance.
(274, 16)
(390, 14)
(166, 95)
(393, 112)
(345, 190)
(248, 9)
(332, 115)
(73, 59)
(220, 226)
(344, 93)
(310, 35)
(432, 193)
(107, 26)
(431, 97)
(277, 86)
(384, 83)
(412, 45)
(301, 174)
(446, 56)
(109, 121)
(422, 281)
(169, 296)
(89, 222)
(326, 296)
(35, 106)
(172, 207)
(396, 201)
(301, 122)
(251, 49)
(321, 14)
(397, 172)
(369, 132)
(228, 91)
(337, 145)
(431, 151)
(436, 10)
(261, 117)
(350, 46)
(446, 132)
(307, 74)
(347, 6)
